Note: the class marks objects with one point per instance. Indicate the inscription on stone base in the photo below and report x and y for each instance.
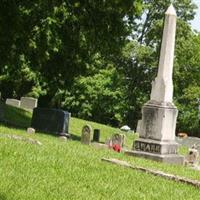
(147, 147)
(155, 147)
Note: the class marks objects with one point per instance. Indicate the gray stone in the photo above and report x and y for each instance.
(138, 126)
(155, 146)
(13, 102)
(158, 122)
(166, 158)
(28, 103)
(86, 134)
(50, 120)
(30, 130)
(162, 86)
(117, 139)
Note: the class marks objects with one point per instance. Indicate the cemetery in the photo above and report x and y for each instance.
(55, 145)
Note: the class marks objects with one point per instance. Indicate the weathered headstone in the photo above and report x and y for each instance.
(193, 156)
(86, 134)
(28, 103)
(50, 120)
(157, 127)
(138, 126)
(13, 102)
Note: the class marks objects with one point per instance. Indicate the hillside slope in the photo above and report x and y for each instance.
(60, 170)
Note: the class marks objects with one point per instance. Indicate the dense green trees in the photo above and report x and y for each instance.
(96, 58)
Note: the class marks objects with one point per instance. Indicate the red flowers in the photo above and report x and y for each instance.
(116, 147)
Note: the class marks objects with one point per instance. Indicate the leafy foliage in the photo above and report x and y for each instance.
(96, 58)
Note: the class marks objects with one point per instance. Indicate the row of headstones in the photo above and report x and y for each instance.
(25, 102)
(116, 142)
(57, 121)
(86, 136)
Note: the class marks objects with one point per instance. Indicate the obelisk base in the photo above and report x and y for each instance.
(157, 133)
(156, 150)
(166, 158)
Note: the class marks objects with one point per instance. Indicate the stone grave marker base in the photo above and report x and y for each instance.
(166, 158)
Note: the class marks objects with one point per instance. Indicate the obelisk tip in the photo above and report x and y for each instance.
(171, 10)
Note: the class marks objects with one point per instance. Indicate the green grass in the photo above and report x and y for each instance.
(60, 170)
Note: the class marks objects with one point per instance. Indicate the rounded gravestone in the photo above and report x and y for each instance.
(86, 134)
(118, 139)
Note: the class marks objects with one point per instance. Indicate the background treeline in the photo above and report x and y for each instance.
(97, 58)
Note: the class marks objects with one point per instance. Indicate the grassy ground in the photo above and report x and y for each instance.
(60, 170)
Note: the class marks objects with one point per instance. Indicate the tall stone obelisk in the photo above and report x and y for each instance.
(157, 127)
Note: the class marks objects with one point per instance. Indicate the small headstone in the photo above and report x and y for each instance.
(28, 103)
(86, 134)
(125, 128)
(118, 139)
(193, 156)
(96, 135)
(62, 137)
(13, 102)
(30, 130)
(50, 120)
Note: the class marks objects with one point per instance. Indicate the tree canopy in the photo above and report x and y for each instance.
(97, 58)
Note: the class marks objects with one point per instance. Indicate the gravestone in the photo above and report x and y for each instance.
(96, 135)
(193, 156)
(30, 130)
(28, 103)
(157, 127)
(118, 139)
(13, 102)
(86, 134)
(50, 120)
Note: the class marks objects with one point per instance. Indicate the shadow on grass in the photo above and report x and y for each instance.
(75, 137)
(3, 197)
(15, 117)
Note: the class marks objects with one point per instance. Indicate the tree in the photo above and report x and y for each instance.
(141, 61)
(56, 41)
(187, 86)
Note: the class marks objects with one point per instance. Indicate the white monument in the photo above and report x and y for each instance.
(157, 127)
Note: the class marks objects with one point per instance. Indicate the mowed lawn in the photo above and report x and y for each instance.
(59, 170)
